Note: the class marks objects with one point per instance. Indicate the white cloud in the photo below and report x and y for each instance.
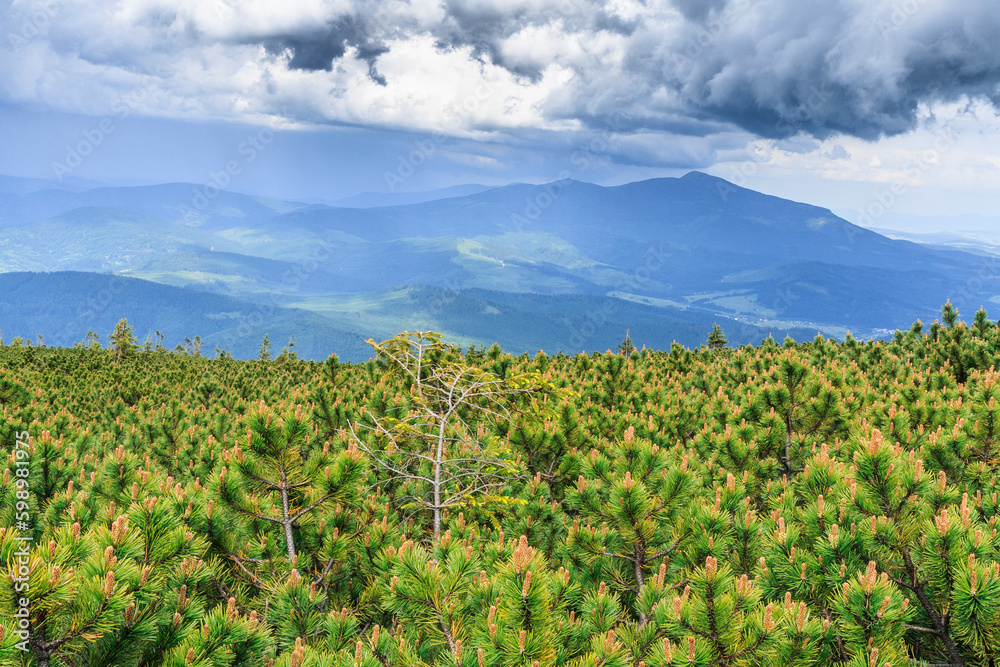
(673, 82)
(947, 158)
(757, 65)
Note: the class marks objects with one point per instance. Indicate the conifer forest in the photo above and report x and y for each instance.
(791, 503)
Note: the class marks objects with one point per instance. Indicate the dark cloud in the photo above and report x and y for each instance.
(783, 67)
(775, 68)
(318, 49)
(698, 10)
(370, 26)
(482, 27)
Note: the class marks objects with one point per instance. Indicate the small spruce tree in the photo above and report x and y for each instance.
(716, 339)
(123, 341)
(626, 348)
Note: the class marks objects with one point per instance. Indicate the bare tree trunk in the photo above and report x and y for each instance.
(438, 458)
(289, 540)
(640, 580)
(285, 520)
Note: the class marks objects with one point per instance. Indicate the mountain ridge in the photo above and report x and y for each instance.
(693, 243)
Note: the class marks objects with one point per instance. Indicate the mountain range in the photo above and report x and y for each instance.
(559, 266)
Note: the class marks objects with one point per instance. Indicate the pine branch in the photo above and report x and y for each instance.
(298, 515)
(917, 628)
(254, 580)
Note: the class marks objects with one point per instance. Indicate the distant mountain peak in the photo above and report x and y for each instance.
(696, 242)
(703, 179)
(696, 175)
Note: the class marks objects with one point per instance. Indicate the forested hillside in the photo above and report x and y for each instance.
(554, 259)
(63, 307)
(819, 503)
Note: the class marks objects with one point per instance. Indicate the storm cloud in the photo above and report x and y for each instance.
(772, 68)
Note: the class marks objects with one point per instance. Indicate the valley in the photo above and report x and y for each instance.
(529, 266)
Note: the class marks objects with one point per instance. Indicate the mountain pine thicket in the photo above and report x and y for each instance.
(821, 503)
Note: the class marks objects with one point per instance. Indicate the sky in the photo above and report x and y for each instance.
(877, 106)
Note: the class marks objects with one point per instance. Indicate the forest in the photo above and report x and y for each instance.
(790, 503)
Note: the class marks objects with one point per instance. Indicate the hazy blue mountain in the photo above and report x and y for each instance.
(185, 203)
(925, 224)
(689, 250)
(710, 245)
(376, 199)
(608, 224)
(64, 306)
(15, 185)
(977, 234)
(97, 239)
